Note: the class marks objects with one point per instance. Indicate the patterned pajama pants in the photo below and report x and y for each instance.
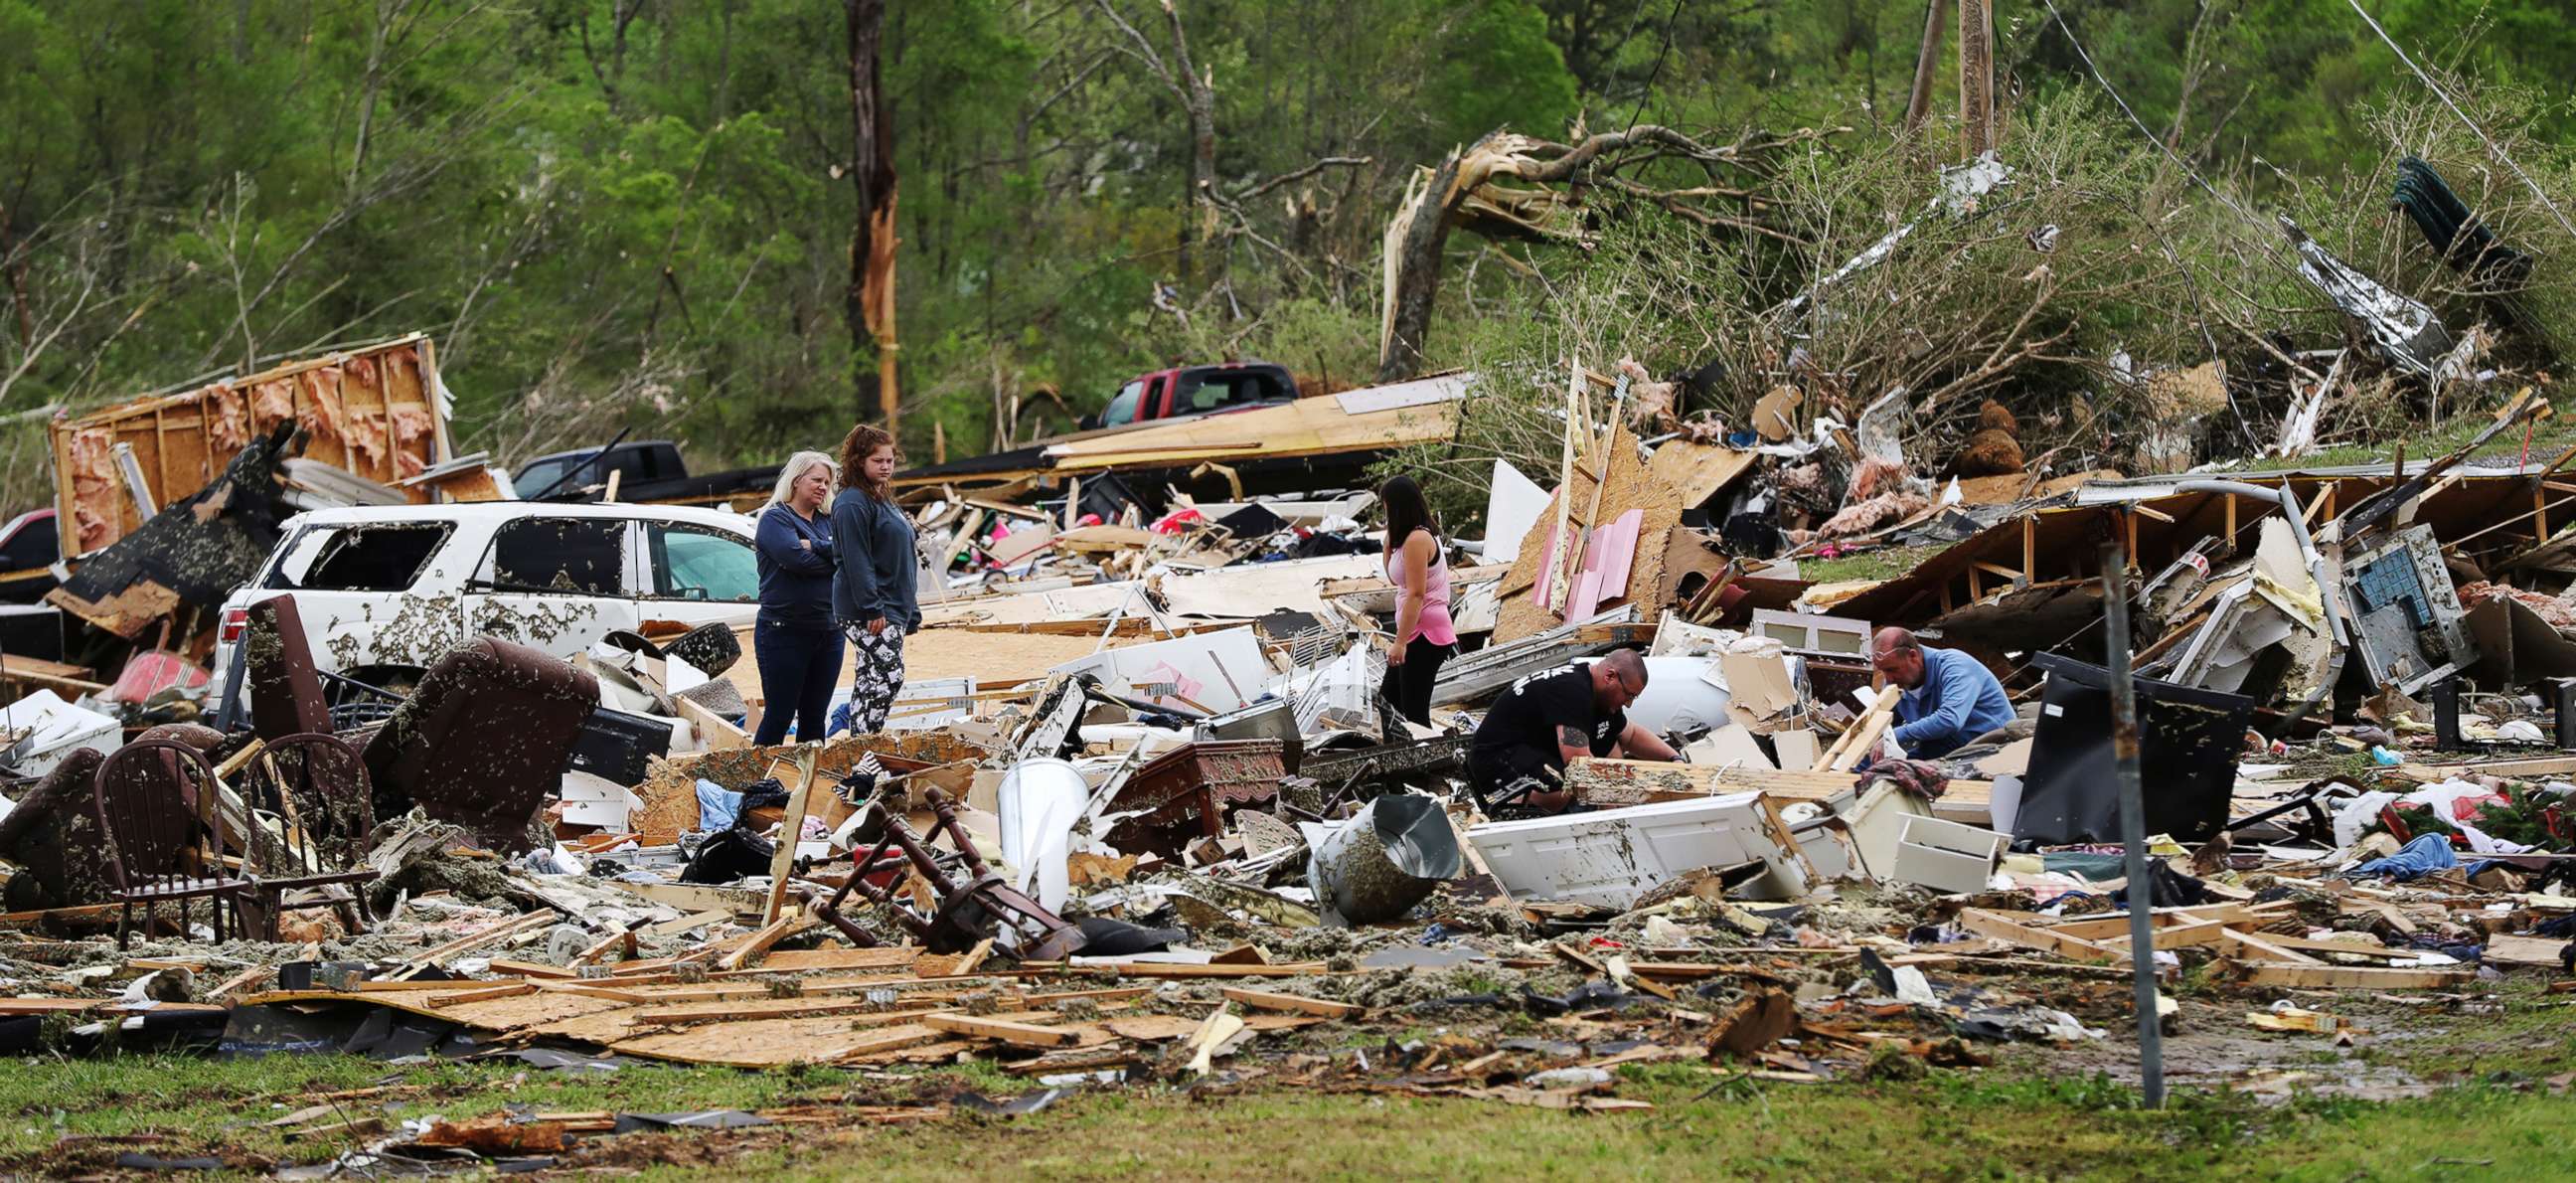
(879, 676)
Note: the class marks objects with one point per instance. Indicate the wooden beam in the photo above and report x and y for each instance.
(2345, 977)
(760, 942)
(1266, 1000)
(2247, 942)
(1987, 924)
(789, 829)
(1015, 1034)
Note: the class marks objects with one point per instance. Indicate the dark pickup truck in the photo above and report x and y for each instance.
(649, 472)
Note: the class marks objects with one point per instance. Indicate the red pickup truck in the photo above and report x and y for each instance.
(1197, 390)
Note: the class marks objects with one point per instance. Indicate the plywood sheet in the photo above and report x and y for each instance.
(1307, 427)
(1697, 472)
(1630, 487)
(769, 1043)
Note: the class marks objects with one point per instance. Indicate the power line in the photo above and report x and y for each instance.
(2143, 129)
(2439, 93)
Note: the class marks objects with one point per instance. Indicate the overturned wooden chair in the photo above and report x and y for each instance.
(316, 788)
(158, 805)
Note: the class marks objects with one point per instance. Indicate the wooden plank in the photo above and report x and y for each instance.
(1987, 924)
(1151, 969)
(2347, 977)
(686, 923)
(492, 934)
(696, 897)
(769, 934)
(2523, 952)
(715, 731)
(2247, 942)
(2306, 945)
(790, 829)
(2178, 936)
(505, 990)
(1266, 1000)
(1015, 1034)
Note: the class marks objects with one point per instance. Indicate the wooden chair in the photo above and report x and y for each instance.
(158, 805)
(316, 786)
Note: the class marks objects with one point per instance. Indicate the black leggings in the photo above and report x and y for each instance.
(1408, 686)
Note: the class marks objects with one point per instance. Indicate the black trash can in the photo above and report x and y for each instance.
(2189, 740)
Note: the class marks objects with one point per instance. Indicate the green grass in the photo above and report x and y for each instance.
(2548, 439)
(1883, 563)
(2495, 1118)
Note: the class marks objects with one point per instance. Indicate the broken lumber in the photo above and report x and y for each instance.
(2347, 977)
(1015, 1034)
(1265, 1000)
(1987, 924)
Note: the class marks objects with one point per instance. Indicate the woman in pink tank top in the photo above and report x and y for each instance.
(1423, 633)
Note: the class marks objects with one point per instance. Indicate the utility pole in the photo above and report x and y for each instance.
(1976, 73)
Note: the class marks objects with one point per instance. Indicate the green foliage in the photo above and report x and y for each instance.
(635, 213)
(1484, 43)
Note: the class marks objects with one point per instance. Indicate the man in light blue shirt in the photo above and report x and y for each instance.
(1950, 697)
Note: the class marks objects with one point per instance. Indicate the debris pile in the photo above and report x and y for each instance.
(1142, 811)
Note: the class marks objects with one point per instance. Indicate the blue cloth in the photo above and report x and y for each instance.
(873, 549)
(798, 666)
(1958, 701)
(795, 561)
(718, 806)
(2416, 859)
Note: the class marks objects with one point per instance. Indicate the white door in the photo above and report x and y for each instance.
(555, 584)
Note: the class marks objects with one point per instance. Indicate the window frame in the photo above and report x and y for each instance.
(487, 572)
(647, 576)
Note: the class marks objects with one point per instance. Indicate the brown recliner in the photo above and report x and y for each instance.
(286, 696)
(483, 741)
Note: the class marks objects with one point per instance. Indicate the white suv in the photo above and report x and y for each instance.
(385, 590)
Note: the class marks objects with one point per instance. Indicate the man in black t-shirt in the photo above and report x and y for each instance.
(1543, 721)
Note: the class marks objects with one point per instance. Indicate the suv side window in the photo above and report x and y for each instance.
(580, 556)
(360, 558)
(698, 563)
(1123, 408)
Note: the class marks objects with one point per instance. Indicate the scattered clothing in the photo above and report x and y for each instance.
(2421, 857)
(718, 806)
(1921, 778)
(1958, 701)
(2169, 888)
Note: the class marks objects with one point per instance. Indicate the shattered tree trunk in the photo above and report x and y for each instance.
(869, 306)
(1414, 245)
(1418, 234)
